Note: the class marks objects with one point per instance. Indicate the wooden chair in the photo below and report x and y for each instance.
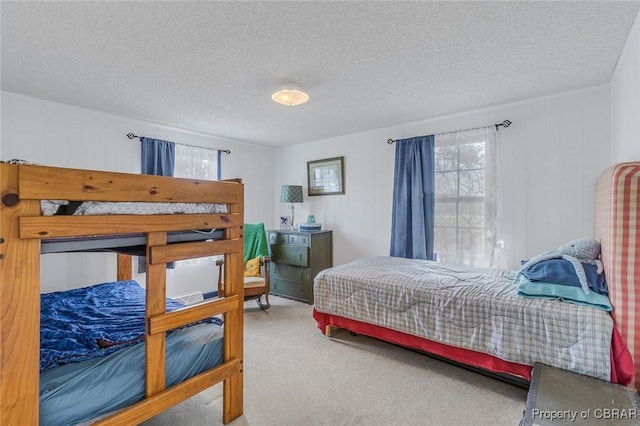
(257, 283)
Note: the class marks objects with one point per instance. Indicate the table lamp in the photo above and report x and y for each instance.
(291, 194)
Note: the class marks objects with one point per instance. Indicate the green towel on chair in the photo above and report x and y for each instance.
(255, 241)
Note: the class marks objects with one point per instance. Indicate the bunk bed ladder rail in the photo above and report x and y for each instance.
(159, 322)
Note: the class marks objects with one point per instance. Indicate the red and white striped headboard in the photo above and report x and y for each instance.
(617, 212)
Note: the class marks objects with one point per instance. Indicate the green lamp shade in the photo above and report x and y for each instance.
(291, 194)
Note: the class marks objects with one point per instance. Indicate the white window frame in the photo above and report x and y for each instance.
(466, 255)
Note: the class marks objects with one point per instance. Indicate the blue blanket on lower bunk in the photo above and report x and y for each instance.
(90, 322)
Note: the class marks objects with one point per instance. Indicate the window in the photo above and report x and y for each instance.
(197, 163)
(465, 197)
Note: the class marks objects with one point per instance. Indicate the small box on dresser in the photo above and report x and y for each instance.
(296, 258)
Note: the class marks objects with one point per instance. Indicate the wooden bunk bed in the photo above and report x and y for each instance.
(23, 230)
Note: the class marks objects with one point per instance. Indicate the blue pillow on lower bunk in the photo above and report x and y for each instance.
(560, 271)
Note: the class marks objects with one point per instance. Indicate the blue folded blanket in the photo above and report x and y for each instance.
(560, 271)
(540, 289)
(90, 322)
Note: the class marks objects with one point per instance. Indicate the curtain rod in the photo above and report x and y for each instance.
(505, 124)
(226, 151)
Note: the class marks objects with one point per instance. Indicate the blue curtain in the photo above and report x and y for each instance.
(219, 166)
(159, 159)
(413, 199)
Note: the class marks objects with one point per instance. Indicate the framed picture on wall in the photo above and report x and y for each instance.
(325, 177)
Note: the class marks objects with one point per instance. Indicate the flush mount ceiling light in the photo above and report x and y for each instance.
(290, 97)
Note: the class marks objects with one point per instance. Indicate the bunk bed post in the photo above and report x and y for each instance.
(156, 305)
(124, 267)
(19, 307)
(234, 321)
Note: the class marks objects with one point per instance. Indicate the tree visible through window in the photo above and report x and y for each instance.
(465, 197)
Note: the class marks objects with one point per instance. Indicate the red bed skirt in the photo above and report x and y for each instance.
(621, 361)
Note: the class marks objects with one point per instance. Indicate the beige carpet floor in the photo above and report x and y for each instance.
(296, 376)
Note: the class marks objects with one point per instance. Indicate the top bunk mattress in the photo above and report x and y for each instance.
(134, 244)
(88, 208)
(471, 308)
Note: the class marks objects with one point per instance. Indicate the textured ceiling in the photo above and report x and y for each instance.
(211, 67)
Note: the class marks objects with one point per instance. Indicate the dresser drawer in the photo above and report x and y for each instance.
(293, 255)
(300, 240)
(290, 289)
(278, 238)
(291, 273)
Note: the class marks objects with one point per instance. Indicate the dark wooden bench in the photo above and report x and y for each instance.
(558, 397)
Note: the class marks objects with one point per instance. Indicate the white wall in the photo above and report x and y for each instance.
(548, 161)
(625, 91)
(66, 136)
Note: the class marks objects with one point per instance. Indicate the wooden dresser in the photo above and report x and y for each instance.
(296, 259)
